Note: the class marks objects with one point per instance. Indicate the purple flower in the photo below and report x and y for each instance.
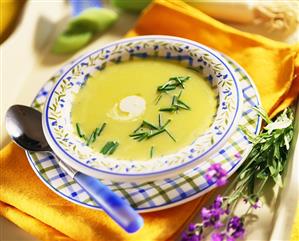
(229, 238)
(237, 155)
(256, 203)
(218, 202)
(192, 227)
(236, 227)
(218, 224)
(194, 233)
(216, 174)
(218, 236)
(205, 213)
(211, 216)
(221, 237)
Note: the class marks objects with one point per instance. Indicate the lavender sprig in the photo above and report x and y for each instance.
(265, 162)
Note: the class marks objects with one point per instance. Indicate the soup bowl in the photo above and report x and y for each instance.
(70, 148)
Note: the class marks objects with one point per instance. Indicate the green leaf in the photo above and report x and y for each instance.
(267, 159)
(278, 180)
(262, 112)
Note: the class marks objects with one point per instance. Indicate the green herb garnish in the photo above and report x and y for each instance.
(171, 136)
(148, 130)
(91, 138)
(99, 131)
(109, 148)
(160, 120)
(264, 166)
(268, 157)
(152, 151)
(96, 133)
(158, 99)
(173, 83)
(79, 131)
(176, 105)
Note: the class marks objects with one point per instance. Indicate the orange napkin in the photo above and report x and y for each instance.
(26, 201)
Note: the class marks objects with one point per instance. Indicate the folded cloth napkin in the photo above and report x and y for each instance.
(26, 201)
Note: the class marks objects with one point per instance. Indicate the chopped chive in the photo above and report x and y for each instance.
(160, 120)
(100, 130)
(152, 152)
(167, 87)
(183, 105)
(166, 123)
(168, 109)
(172, 83)
(91, 138)
(174, 100)
(181, 83)
(158, 99)
(176, 104)
(79, 131)
(139, 136)
(137, 129)
(180, 94)
(171, 136)
(147, 130)
(145, 123)
(112, 150)
(109, 148)
(155, 133)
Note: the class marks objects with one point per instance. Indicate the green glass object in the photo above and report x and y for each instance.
(131, 5)
(95, 20)
(70, 43)
(81, 29)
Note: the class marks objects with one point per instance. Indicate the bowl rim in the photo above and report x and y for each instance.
(93, 171)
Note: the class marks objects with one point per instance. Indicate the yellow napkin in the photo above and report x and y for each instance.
(26, 201)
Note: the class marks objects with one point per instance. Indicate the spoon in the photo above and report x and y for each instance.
(24, 125)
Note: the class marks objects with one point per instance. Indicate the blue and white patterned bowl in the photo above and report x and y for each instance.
(72, 150)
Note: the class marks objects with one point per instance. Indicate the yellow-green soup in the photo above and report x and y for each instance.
(107, 98)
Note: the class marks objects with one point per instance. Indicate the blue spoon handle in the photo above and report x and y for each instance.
(117, 208)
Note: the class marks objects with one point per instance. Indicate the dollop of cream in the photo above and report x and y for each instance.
(129, 108)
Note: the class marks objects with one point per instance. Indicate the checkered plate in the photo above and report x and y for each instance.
(161, 194)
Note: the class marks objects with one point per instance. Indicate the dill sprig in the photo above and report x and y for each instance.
(176, 104)
(109, 148)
